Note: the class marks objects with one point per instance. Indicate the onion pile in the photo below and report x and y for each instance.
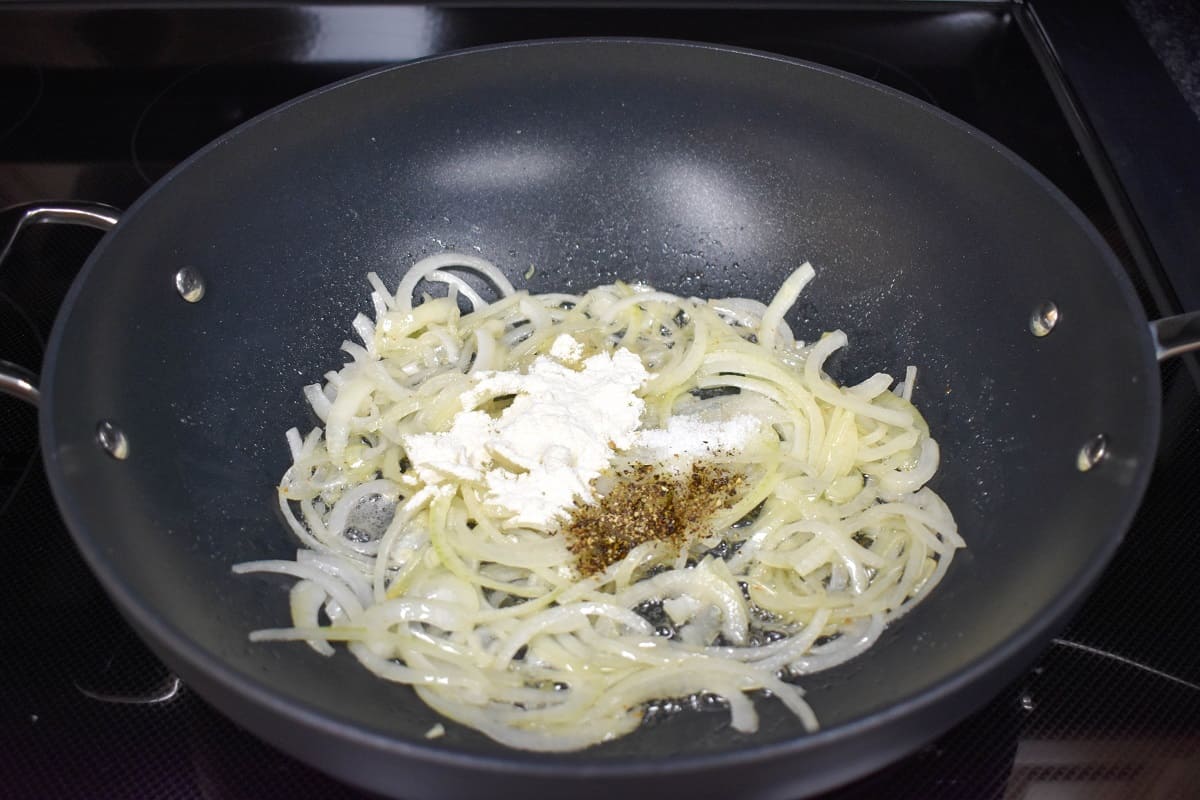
(831, 533)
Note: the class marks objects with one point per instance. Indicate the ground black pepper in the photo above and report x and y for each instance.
(648, 504)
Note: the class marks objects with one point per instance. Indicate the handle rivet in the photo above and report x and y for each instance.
(1092, 453)
(112, 440)
(189, 284)
(1044, 318)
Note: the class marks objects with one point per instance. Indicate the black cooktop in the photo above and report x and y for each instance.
(97, 103)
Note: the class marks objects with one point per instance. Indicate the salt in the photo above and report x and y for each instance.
(690, 436)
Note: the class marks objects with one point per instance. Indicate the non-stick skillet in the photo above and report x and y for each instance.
(178, 358)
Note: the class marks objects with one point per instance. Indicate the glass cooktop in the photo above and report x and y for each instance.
(99, 103)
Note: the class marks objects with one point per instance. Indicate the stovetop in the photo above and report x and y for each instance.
(99, 103)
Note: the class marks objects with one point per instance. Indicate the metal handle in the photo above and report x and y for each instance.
(1176, 335)
(16, 380)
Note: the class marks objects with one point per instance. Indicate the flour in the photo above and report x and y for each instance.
(566, 349)
(541, 453)
(456, 454)
(563, 428)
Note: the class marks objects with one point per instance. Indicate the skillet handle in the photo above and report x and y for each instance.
(21, 383)
(16, 380)
(1176, 335)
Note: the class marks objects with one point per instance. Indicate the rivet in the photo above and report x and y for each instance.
(112, 440)
(1044, 318)
(189, 284)
(1092, 453)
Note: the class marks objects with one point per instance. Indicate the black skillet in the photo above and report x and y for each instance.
(185, 341)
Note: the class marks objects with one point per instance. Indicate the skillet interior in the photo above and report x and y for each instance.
(703, 171)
